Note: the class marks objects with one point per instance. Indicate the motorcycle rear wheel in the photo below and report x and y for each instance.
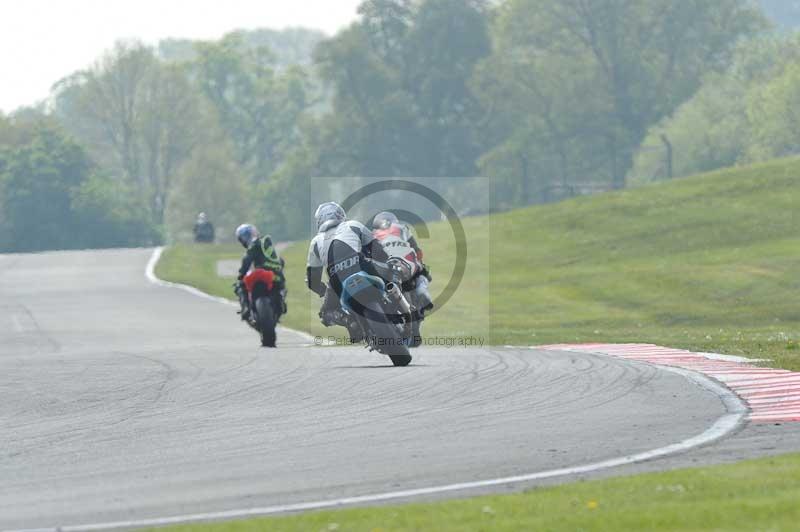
(400, 360)
(265, 321)
(395, 348)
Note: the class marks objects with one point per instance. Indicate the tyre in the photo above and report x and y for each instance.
(394, 345)
(400, 360)
(265, 320)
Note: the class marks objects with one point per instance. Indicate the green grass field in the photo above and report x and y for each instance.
(707, 263)
(755, 495)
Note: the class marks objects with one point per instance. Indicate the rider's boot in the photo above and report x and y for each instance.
(353, 329)
(329, 316)
(330, 312)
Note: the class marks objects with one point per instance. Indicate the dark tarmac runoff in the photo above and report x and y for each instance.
(122, 401)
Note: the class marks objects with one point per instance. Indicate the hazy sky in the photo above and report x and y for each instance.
(42, 41)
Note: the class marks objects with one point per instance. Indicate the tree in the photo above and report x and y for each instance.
(138, 117)
(447, 40)
(108, 213)
(545, 124)
(402, 105)
(17, 130)
(743, 115)
(38, 181)
(358, 132)
(386, 24)
(257, 106)
(774, 113)
(627, 64)
(708, 132)
(5, 137)
(210, 181)
(285, 200)
(53, 197)
(290, 46)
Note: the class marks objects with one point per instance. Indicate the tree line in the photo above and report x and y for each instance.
(746, 114)
(547, 98)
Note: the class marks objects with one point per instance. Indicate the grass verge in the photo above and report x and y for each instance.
(754, 495)
(708, 263)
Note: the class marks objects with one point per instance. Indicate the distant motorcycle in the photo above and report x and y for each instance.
(264, 304)
(381, 312)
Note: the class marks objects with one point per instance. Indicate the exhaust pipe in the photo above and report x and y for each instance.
(394, 291)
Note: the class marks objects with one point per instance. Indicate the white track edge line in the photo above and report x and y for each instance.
(723, 426)
(150, 273)
(734, 417)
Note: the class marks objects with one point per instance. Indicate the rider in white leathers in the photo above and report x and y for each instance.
(341, 247)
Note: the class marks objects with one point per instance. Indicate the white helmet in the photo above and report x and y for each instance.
(329, 215)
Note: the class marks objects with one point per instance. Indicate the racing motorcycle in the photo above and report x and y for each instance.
(381, 314)
(265, 307)
(410, 277)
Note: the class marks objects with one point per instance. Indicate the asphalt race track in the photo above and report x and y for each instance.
(122, 401)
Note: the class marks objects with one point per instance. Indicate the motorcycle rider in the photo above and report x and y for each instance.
(342, 247)
(261, 253)
(398, 241)
(203, 229)
(385, 224)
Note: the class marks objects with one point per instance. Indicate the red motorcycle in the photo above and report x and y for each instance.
(265, 304)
